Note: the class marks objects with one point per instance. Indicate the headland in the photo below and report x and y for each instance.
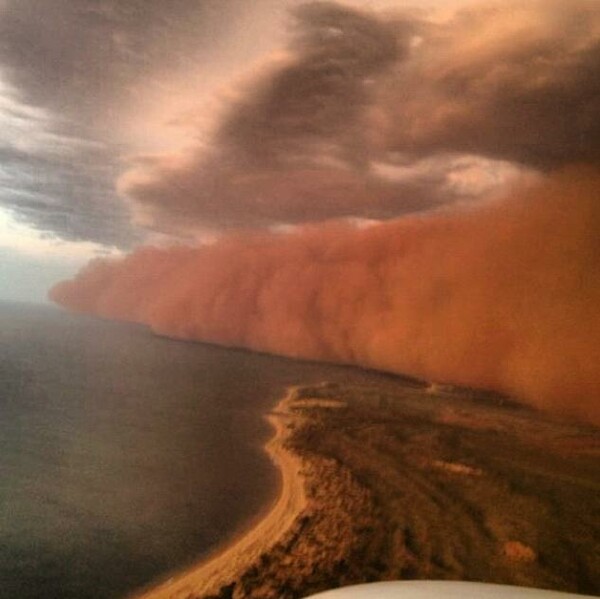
(416, 482)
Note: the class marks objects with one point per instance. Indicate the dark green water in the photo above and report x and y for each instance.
(124, 456)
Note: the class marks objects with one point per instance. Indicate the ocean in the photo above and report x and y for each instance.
(125, 456)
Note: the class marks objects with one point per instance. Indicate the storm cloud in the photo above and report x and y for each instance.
(441, 177)
(342, 125)
(86, 58)
(363, 114)
(514, 81)
(72, 72)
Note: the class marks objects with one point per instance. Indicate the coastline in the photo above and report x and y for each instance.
(228, 563)
(413, 482)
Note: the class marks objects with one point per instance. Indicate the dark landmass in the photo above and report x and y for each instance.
(431, 483)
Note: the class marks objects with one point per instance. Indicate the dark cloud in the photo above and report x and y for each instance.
(303, 140)
(516, 81)
(295, 146)
(84, 57)
(70, 72)
(315, 105)
(367, 115)
(68, 199)
(181, 199)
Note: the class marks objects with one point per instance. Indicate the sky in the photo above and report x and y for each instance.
(104, 103)
(412, 189)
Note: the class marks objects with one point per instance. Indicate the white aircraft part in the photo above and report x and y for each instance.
(420, 589)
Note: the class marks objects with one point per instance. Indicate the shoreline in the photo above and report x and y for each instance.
(227, 563)
(403, 483)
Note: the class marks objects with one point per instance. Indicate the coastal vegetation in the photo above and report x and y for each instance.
(417, 482)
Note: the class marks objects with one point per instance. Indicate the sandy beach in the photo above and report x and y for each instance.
(229, 562)
(413, 482)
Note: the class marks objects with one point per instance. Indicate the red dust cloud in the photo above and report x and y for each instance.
(503, 296)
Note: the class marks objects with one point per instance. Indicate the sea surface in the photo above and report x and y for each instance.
(125, 456)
